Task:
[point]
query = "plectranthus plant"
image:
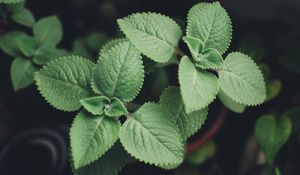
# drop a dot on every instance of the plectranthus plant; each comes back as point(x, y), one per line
point(107, 132)
point(30, 51)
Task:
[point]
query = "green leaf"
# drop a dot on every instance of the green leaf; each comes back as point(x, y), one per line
point(91, 136)
point(195, 9)
point(109, 164)
point(231, 104)
point(28, 45)
point(277, 171)
point(209, 59)
point(24, 17)
point(46, 53)
point(119, 73)
point(155, 35)
point(194, 44)
point(151, 136)
point(48, 29)
point(65, 81)
point(11, 1)
point(211, 24)
point(112, 43)
point(116, 108)
point(198, 87)
point(21, 72)
point(9, 44)
point(188, 124)
point(95, 105)
point(205, 152)
point(273, 88)
point(241, 80)
point(272, 134)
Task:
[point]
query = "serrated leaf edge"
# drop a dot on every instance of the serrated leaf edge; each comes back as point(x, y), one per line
point(121, 40)
point(105, 149)
point(264, 83)
point(150, 13)
point(230, 22)
point(155, 163)
point(44, 66)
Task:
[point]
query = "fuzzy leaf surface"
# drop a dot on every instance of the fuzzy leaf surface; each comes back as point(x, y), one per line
point(241, 80)
point(119, 73)
point(109, 164)
point(95, 105)
point(155, 35)
point(188, 124)
point(195, 9)
point(211, 24)
point(64, 81)
point(151, 136)
point(91, 136)
point(231, 104)
point(198, 87)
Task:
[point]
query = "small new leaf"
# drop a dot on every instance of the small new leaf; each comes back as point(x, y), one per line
point(151, 136)
point(109, 164)
point(272, 134)
point(64, 81)
point(211, 24)
point(48, 29)
point(188, 124)
point(198, 87)
point(119, 73)
point(241, 80)
point(194, 44)
point(155, 35)
point(95, 105)
point(209, 59)
point(116, 108)
point(21, 72)
point(91, 136)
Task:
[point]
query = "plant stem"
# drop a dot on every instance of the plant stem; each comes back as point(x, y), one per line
point(210, 133)
point(179, 52)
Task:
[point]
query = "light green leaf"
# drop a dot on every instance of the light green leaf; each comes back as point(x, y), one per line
point(91, 136)
point(209, 59)
point(198, 87)
point(231, 104)
point(106, 47)
point(211, 24)
point(195, 9)
point(272, 134)
point(28, 45)
point(241, 80)
point(46, 53)
point(11, 1)
point(95, 105)
point(109, 164)
point(65, 81)
point(116, 108)
point(119, 73)
point(188, 124)
point(273, 88)
point(155, 35)
point(48, 29)
point(151, 136)
point(21, 72)
point(24, 17)
point(194, 44)
point(9, 44)
point(201, 155)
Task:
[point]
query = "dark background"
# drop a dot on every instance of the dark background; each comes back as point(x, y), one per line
point(34, 136)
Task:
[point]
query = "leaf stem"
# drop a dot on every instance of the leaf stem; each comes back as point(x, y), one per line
point(210, 133)
point(179, 52)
